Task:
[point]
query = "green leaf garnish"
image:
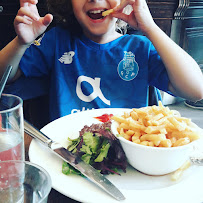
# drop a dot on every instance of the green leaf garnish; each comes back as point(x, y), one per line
point(103, 152)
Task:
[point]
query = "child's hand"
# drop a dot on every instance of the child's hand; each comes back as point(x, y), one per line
point(28, 24)
point(140, 17)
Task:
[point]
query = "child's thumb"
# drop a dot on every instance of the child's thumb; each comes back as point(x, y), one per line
point(47, 19)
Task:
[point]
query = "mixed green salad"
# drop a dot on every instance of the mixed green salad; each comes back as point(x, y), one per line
point(98, 147)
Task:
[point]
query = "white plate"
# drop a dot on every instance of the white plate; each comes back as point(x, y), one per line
point(135, 186)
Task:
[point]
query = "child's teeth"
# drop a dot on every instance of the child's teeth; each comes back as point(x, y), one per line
point(96, 11)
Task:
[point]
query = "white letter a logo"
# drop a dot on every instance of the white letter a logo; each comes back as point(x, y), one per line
point(95, 83)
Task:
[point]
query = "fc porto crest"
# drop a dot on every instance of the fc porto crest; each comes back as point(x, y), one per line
point(128, 67)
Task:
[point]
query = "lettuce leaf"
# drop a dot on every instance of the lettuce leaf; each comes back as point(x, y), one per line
point(103, 151)
point(93, 142)
point(67, 169)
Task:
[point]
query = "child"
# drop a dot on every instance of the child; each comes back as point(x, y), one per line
point(88, 64)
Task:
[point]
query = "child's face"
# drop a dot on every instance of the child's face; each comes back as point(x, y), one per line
point(89, 15)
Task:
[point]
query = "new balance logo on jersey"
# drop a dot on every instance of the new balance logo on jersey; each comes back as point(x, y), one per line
point(67, 57)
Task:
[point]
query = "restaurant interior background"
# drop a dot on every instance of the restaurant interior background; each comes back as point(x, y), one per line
point(182, 20)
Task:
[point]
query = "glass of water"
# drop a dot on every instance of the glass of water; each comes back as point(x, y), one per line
point(11, 128)
point(23, 182)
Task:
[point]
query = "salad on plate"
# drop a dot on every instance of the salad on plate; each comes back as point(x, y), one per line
point(97, 146)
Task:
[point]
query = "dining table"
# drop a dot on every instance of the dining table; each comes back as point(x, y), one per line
point(54, 196)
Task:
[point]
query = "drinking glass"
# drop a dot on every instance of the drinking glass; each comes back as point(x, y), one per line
point(11, 128)
point(23, 182)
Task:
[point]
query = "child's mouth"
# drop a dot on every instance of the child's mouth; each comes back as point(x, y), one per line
point(96, 14)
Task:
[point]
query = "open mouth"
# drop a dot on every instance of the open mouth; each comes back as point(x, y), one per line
point(96, 14)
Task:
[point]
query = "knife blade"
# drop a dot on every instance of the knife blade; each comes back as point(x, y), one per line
point(75, 161)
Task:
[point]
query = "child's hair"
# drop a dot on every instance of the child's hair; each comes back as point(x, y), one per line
point(63, 13)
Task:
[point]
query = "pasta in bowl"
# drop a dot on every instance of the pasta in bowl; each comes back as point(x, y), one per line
point(155, 139)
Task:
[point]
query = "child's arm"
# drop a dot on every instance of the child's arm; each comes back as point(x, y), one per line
point(186, 79)
point(28, 26)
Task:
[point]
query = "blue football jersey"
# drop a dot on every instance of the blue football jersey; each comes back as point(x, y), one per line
point(79, 74)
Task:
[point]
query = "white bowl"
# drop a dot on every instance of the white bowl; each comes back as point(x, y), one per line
point(154, 160)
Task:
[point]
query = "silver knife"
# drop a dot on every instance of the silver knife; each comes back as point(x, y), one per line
point(75, 161)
